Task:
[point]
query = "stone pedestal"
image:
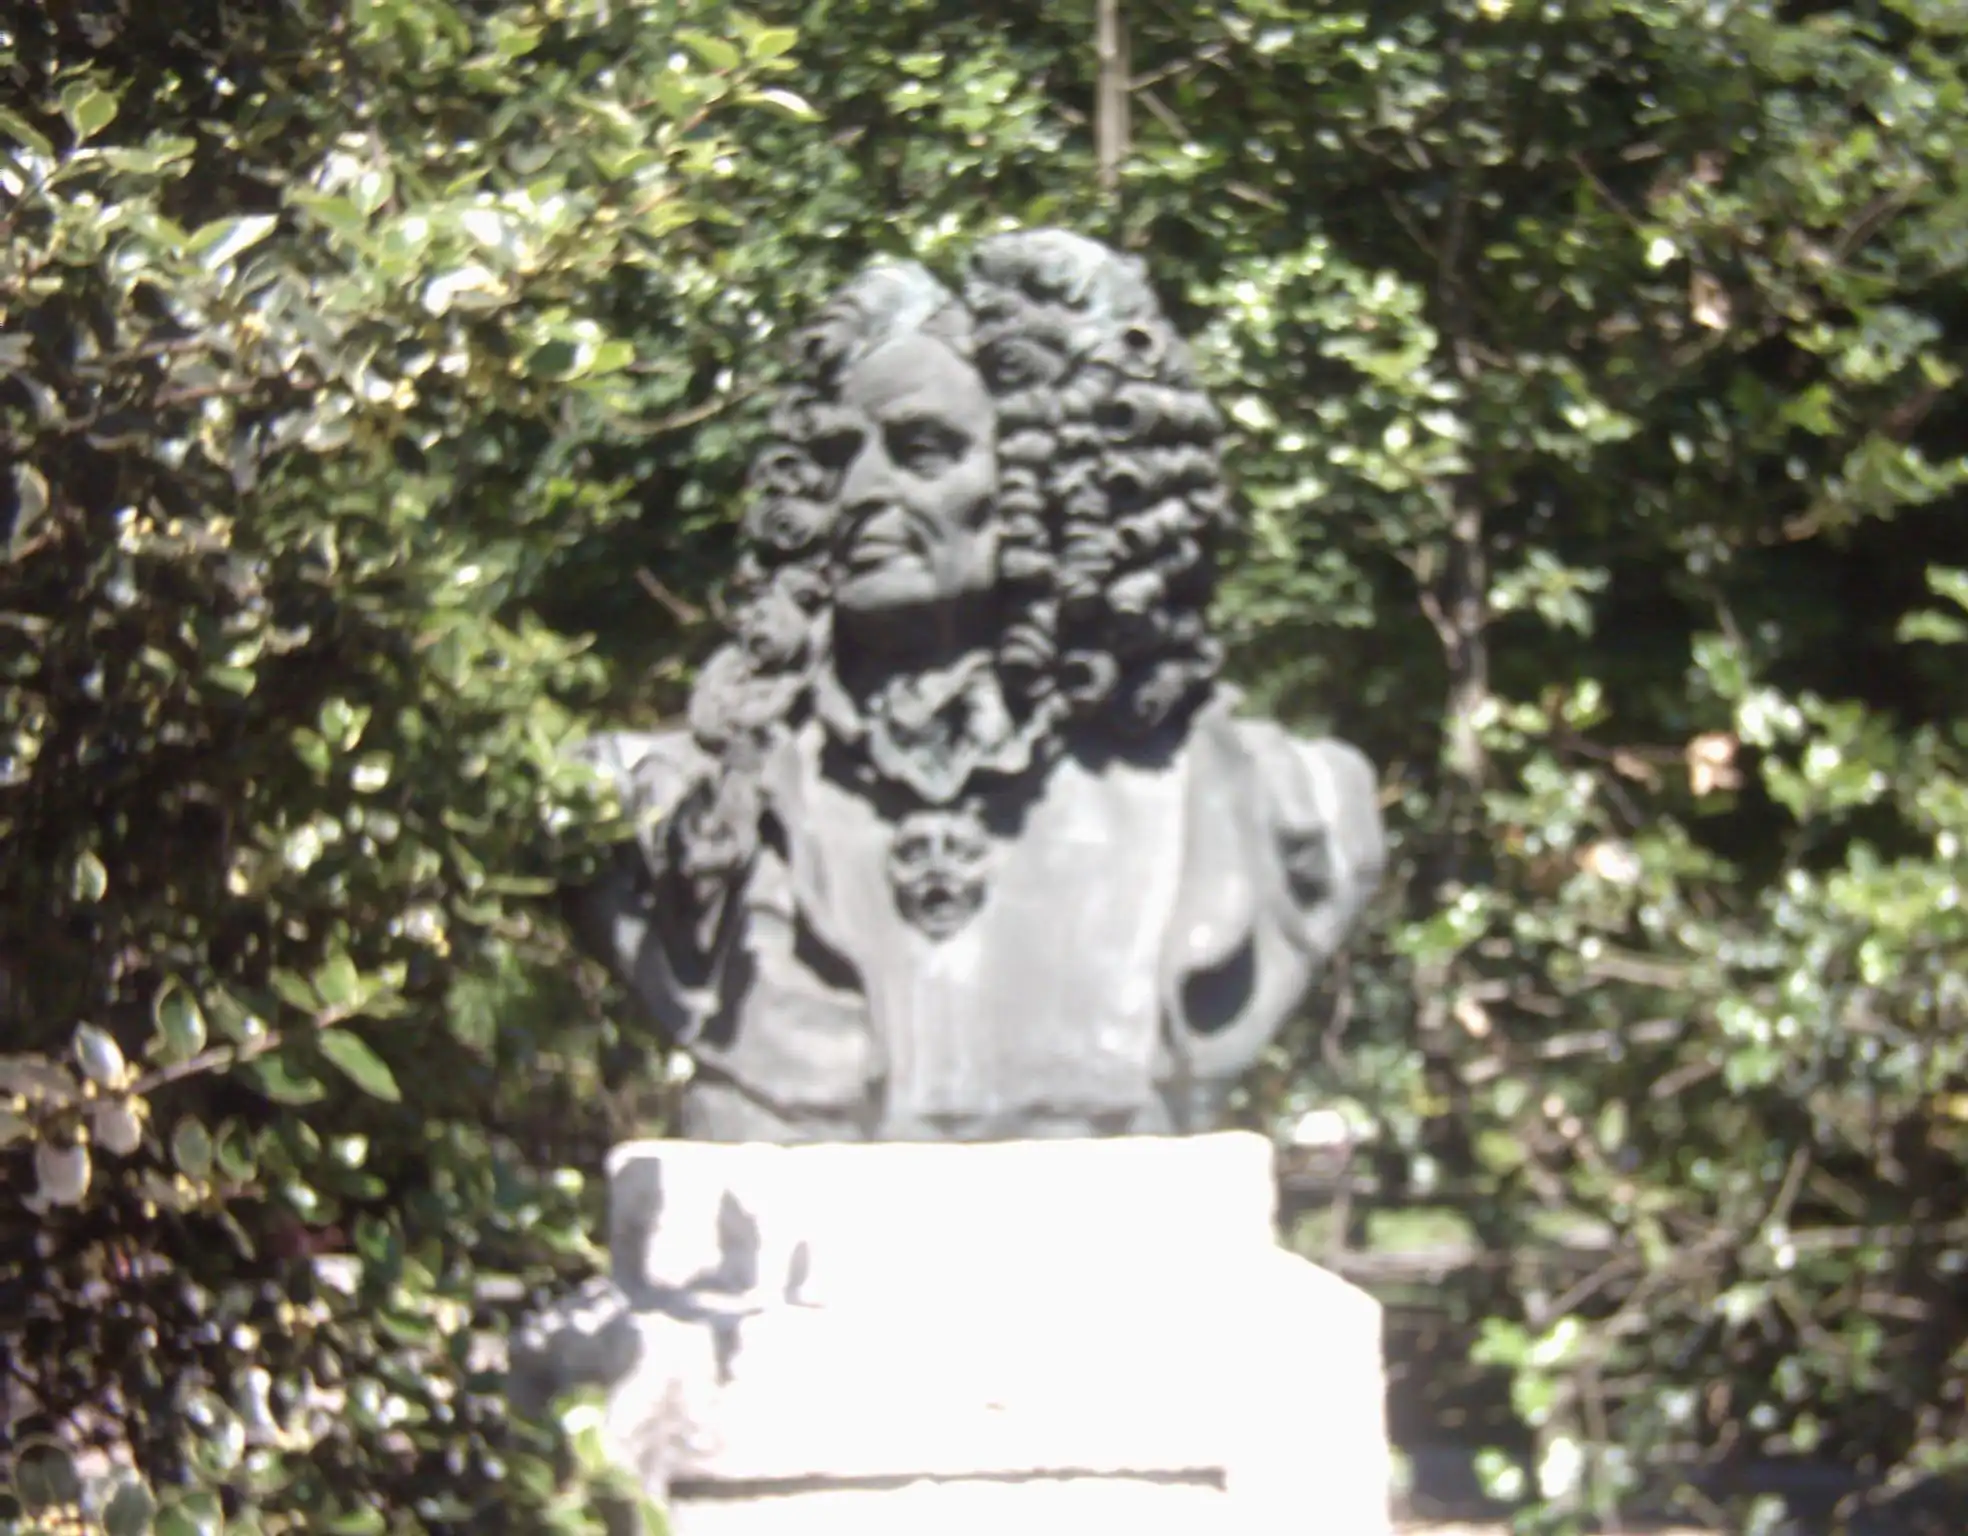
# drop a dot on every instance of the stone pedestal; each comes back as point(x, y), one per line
point(1056, 1335)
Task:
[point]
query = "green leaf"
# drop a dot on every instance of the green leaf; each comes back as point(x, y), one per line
point(37, 1078)
point(371, 773)
point(360, 1064)
point(337, 213)
point(88, 108)
point(1931, 627)
point(338, 983)
point(99, 1056)
point(233, 1148)
point(193, 1514)
point(296, 992)
point(30, 504)
point(313, 751)
point(1950, 584)
point(794, 106)
point(521, 885)
point(612, 356)
point(234, 680)
point(181, 1030)
point(130, 1510)
point(88, 880)
point(115, 1126)
point(45, 1475)
point(225, 240)
point(284, 1083)
point(367, 1521)
point(343, 723)
point(714, 52)
point(62, 1174)
point(770, 43)
point(23, 132)
point(667, 217)
point(217, 1451)
point(555, 359)
point(191, 1148)
point(149, 161)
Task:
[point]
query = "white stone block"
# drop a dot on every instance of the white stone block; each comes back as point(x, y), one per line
point(1066, 1335)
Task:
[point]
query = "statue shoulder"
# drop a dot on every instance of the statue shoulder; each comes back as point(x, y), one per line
point(1319, 789)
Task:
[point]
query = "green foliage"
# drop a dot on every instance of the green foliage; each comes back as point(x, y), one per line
point(312, 312)
point(1595, 373)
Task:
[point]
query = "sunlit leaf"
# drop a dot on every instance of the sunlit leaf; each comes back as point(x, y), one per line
point(714, 52)
point(181, 1031)
point(338, 983)
point(30, 504)
point(225, 240)
point(115, 1126)
point(61, 1173)
point(770, 43)
point(90, 880)
point(99, 1056)
point(88, 108)
point(17, 128)
point(788, 102)
point(361, 1065)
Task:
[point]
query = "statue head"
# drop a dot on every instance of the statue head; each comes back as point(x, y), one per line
point(915, 517)
point(1023, 470)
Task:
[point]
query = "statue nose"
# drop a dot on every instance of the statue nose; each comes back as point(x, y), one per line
point(870, 482)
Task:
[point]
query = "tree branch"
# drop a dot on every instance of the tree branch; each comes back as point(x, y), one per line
point(1111, 95)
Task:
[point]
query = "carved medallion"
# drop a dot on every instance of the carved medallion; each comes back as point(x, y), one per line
point(937, 865)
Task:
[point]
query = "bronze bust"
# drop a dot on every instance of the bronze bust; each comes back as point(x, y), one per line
point(963, 839)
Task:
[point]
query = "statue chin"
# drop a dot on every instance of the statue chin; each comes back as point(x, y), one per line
point(919, 592)
point(907, 617)
point(941, 908)
point(896, 587)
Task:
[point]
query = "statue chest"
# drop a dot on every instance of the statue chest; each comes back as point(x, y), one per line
point(1004, 977)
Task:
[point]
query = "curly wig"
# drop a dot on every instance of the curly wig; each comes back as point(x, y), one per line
point(1111, 496)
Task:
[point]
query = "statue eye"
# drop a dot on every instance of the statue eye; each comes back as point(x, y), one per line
point(835, 447)
point(925, 449)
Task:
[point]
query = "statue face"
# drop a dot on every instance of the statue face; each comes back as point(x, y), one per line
point(936, 866)
point(915, 527)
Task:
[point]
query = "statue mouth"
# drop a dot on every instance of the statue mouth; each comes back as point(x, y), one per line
point(881, 538)
point(941, 907)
